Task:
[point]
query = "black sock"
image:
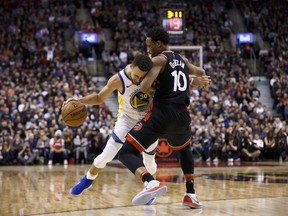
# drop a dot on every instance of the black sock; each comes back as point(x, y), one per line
point(147, 177)
point(190, 186)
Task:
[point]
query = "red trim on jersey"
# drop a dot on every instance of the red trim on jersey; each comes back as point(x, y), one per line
point(176, 148)
point(163, 56)
point(131, 140)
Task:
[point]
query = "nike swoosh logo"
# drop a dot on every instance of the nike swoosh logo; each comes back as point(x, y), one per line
point(195, 200)
point(127, 86)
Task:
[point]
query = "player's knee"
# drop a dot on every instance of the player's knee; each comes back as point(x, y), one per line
point(100, 162)
point(105, 157)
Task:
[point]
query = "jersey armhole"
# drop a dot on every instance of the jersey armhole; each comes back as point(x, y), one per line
point(164, 56)
point(122, 82)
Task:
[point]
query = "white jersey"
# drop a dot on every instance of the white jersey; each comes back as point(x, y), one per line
point(132, 103)
point(133, 106)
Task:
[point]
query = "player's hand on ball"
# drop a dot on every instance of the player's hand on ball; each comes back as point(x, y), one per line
point(67, 101)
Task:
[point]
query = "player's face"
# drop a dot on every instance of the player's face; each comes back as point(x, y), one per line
point(137, 75)
point(151, 47)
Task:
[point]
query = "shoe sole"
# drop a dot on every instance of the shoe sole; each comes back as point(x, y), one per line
point(70, 191)
point(193, 206)
point(144, 198)
point(150, 202)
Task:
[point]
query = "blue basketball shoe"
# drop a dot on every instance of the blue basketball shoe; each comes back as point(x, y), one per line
point(82, 185)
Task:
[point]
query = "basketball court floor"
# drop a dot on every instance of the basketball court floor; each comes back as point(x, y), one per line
point(242, 188)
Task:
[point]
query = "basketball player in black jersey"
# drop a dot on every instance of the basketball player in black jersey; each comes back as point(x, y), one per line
point(168, 118)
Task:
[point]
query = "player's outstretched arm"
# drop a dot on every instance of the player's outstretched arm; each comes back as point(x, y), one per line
point(194, 70)
point(114, 83)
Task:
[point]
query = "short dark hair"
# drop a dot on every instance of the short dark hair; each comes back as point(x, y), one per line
point(158, 34)
point(143, 62)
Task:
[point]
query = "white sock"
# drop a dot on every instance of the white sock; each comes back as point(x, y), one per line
point(90, 176)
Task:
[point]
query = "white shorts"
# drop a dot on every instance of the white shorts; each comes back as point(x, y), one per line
point(123, 125)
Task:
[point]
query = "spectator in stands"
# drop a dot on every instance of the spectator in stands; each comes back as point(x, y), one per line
point(96, 143)
point(231, 152)
point(270, 145)
point(57, 147)
point(33, 140)
point(69, 145)
point(43, 147)
point(81, 146)
point(26, 155)
point(197, 149)
point(7, 151)
point(249, 150)
point(17, 145)
point(207, 145)
point(282, 145)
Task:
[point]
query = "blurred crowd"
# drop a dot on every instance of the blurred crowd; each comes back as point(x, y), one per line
point(38, 74)
point(268, 19)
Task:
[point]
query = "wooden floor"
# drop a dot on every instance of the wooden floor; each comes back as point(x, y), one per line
point(225, 189)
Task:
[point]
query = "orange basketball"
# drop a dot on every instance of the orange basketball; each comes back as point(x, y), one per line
point(74, 113)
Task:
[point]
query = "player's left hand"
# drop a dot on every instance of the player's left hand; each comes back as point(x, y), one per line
point(201, 81)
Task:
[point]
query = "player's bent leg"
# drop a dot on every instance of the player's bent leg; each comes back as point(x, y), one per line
point(99, 163)
point(152, 188)
point(149, 158)
point(108, 154)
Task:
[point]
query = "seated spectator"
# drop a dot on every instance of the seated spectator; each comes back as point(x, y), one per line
point(26, 156)
point(282, 144)
point(43, 147)
point(80, 145)
point(96, 143)
point(270, 145)
point(32, 140)
point(57, 147)
point(6, 148)
point(196, 148)
point(207, 145)
point(249, 149)
point(69, 145)
point(231, 152)
point(17, 145)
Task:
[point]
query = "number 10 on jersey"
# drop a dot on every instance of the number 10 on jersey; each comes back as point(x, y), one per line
point(178, 77)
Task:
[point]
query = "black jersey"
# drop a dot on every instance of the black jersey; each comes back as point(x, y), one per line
point(173, 83)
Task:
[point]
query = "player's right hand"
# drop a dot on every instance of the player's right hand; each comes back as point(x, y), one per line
point(201, 81)
point(67, 101)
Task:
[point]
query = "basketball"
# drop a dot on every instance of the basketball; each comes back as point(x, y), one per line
point(74, 113)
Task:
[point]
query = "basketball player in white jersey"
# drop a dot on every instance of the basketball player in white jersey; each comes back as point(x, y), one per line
point(133, 106)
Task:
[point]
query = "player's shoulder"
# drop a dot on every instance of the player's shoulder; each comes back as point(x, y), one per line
point(115, 78)
point(160, 59)
point(114, 81)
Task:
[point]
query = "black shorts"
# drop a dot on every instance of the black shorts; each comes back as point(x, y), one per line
point(163, 120)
